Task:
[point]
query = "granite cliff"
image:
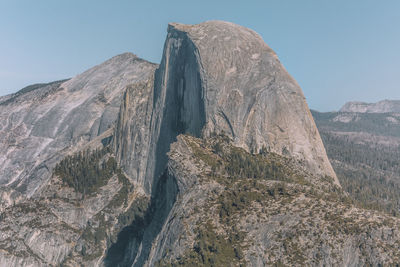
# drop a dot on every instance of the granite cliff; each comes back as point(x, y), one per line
point(241, 89)
point(211, 158)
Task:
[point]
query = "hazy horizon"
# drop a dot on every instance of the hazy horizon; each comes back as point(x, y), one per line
point(337, 52)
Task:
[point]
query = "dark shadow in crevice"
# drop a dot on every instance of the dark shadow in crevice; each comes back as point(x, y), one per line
point(134, 241)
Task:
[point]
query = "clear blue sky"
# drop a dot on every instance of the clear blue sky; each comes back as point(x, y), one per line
point(338, 50)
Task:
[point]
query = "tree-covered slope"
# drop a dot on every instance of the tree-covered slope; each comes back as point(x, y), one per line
point(364, 149)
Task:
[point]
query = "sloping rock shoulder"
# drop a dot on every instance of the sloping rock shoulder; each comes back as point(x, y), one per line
point(39, 126)
point(220, 77)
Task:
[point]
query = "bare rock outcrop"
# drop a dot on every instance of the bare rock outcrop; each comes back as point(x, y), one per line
point(221, 77)
point(40, 124)
point(132, 135)
point(215, 77)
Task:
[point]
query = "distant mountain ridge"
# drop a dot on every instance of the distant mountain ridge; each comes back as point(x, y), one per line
point(384, 106)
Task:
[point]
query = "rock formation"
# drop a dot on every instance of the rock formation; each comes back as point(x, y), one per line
point(220, 77)
point(244, 91)
point(213, 151)
point(41, 124)
point(44, 222)
point(384, 106)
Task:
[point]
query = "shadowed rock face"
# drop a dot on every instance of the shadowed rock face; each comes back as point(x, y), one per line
point(178, 101)
point(40, 125)
point(220, 77)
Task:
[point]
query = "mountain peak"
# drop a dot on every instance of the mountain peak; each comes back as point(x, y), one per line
point(229, 80)
point(219, 32)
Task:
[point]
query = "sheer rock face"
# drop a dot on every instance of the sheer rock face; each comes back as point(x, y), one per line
point(40, 124)
point(384, 106)
point(131, 139)
point(221, 77)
